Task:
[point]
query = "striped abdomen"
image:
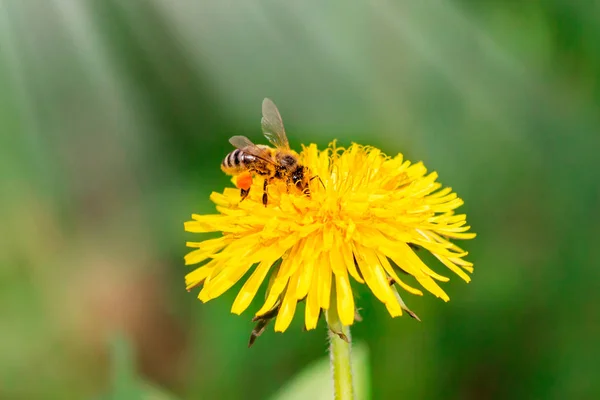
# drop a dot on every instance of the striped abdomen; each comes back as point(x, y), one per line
point(237, 161)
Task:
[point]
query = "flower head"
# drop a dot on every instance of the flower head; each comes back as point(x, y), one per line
point(361, 222)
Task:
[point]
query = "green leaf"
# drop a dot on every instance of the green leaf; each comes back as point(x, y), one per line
point(124, 379)
point(126, 384)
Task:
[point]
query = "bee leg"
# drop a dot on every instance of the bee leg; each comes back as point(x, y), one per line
point(306, 190)
point(262, 322)
point(244, 193)
point(320, 180)
point(265, 197)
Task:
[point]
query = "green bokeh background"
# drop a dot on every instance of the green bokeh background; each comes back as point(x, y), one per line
point(115, 115)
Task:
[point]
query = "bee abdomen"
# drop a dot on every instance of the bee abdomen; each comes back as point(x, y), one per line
point(237, 161)
point(231, 160)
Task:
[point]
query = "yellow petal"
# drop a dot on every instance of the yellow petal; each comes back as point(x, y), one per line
point(248, 291)
point(312, 310)
point(288, 306)
point(405, 257)
point(324, 280)
point(345, 299)
point(390, 271)
point(196, 277)
point(305, 278)
point(454, 268)
point(336, 258)
point(374, 275)
point(205, 249)
point(224, 281)
point(288, 267)
point(346, 251)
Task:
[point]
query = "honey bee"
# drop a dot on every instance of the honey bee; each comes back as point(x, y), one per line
point(279, 163)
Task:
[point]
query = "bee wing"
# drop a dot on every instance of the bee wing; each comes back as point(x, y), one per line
point(272, 125)
point(242, 142)
point(245, 144)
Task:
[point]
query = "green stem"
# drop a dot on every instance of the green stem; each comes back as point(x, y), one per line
point(339, 350)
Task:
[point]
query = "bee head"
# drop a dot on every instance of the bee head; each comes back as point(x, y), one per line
point(298, 177)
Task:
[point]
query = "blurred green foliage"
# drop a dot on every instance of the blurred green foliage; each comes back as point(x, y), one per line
point(115, 117)
point(125, 383)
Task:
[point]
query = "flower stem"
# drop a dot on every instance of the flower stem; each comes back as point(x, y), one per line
point(339, 349)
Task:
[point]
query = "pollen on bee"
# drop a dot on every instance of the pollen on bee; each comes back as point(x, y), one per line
point(244, 181)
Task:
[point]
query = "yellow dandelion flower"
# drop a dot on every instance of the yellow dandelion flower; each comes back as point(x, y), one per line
point(361, 222)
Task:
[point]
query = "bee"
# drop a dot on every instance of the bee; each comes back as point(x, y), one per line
point(278, 163)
